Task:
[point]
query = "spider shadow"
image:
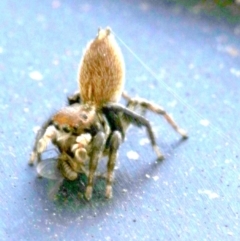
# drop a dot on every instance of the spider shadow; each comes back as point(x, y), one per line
point(169, 149)
point(71, 193)
point(69, 202)
point(138, 180)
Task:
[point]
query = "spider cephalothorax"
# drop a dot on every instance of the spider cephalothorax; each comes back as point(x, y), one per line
point(94, 124)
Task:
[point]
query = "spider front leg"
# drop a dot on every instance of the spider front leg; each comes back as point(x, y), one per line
point(44, 136)
point(98, 143)
point(114, 143)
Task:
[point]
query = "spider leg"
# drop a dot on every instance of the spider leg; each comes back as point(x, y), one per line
point(40, 134)
point(74, 99)
point(98, 144)
point(114, 143)
point(147, 105)
point(130, 117)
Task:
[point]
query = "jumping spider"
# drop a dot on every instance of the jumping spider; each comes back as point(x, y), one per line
point(94, 124)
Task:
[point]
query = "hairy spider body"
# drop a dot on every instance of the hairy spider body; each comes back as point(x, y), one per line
point(102, 70)
point(94, 124)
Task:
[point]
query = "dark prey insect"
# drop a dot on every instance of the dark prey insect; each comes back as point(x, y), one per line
point(94, 124)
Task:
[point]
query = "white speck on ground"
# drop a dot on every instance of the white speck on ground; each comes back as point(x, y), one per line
point(235, 72)
point(209, 193)
point(172, 103)
point(132, 155)
point(204, 122)
point(227, 161)
point(144, 141)
point(26, 110)
point(36, 129)
point(36, 75)
point(155, 178)
point(179, 85)
point(147, 176)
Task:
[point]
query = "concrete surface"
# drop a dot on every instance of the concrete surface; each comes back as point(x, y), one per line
point(190, 65)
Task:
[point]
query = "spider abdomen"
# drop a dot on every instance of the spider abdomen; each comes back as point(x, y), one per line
point(102, 70)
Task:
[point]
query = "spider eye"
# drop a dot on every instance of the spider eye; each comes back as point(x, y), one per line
point(66, 129)
point(84, 116)
point(74, 129)
point(56, 126)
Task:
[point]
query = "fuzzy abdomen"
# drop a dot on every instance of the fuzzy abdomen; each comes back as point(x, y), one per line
point(102, 70)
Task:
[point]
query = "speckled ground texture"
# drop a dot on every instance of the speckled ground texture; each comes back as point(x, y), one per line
point(192, 69)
